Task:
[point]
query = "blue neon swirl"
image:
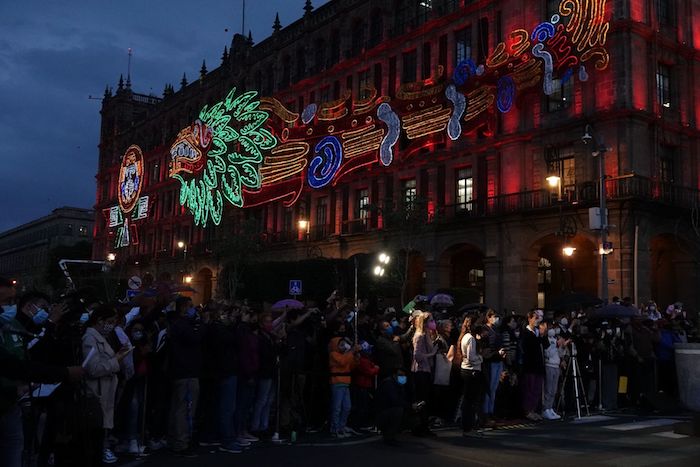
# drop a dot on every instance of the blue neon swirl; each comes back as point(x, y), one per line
point(543, 31)
point(324, 166)
point(463, 71)
point(505, 93)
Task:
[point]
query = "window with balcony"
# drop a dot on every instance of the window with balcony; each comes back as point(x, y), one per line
point(664, 12)
point(463, 44)
point(363, 204)
point(425, 7)
point(425, 61)
point(409, 67)
point(663, 85)
point(322, 213)
point(358, 37)
point(410, 192)
point(666, 165)
point(376, 28)
point(562, 96)
point(364, 84)
point(465, 189)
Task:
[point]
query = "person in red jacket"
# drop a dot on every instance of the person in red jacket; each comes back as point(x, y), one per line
point(363, 381)
point(342, 359)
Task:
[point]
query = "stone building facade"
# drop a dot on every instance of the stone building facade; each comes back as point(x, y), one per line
point(493, 223)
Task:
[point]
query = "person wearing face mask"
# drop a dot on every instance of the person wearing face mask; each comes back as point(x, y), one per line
point(533, 345)
point(387, 351)
point(422, 365)
point(102, 367)
point(552, 360)
point(391, 403)
point(185, 335)
point(493, 354)
point(342, 360)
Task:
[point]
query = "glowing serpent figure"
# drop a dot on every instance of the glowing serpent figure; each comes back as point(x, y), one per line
point(232, 157)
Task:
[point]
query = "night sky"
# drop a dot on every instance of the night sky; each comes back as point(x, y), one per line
point(54, 54)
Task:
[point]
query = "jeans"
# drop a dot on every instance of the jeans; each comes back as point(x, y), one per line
point(495, 369)
point(11, 438)
point(340, 407)
point(244, 403)
point(134, 409)
point(551, 383)
point(183, 406)
point(227, 410)
point(263, 402)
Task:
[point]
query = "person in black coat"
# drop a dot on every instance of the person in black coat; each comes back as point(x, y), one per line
point(391, 403)
point(534, 341)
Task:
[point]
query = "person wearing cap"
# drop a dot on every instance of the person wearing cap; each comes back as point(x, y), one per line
point(363, 379)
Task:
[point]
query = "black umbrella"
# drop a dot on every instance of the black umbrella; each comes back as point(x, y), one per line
point(574, 300)
point(614, 310)
point(474, 307)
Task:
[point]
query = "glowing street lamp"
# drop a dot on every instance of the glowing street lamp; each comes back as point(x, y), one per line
point(303, 225)
point(111, 257)
point(384, 258)
point(568, 250)
point(553, 181)
point(181, 244)
point(187, 279)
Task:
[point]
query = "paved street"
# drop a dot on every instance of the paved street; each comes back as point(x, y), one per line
point(613, 440)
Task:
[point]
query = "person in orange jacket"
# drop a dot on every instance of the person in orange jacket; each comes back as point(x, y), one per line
point(341, 361)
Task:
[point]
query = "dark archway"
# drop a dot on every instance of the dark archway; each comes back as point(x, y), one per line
point(203, 284)
point(559, 274)
point(465, 264)
point(674, 271)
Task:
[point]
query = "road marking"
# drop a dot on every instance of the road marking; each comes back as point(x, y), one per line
point(670, 434)
point(642, 425)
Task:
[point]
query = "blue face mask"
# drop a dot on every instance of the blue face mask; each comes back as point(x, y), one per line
point(84, 318)
point(389, 331)
point(9, 313)
point(40, 317)
point(394, 323)
point(401, 379)
point(191, 313)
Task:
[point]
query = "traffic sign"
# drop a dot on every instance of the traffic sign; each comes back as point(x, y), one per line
point(135, 282)
point(295, 287)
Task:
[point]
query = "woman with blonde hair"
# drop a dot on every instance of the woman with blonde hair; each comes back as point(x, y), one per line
point(422, 364)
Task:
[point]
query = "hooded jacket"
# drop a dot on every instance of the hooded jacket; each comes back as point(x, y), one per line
point(340, 364)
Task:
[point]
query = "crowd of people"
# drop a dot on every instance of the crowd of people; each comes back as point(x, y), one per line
point(130, 379)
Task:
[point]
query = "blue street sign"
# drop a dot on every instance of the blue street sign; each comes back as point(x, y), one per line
point(295, 287)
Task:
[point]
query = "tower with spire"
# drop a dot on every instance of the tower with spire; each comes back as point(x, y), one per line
point(308, 8)
point(276, 26)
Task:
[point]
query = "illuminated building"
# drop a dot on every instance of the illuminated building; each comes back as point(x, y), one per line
point(361, 107)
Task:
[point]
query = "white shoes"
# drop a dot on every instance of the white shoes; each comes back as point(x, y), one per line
point(108, 457)
point(550, 414)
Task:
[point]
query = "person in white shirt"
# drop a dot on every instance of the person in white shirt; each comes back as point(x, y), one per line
point(471, 375)
point(552, 361)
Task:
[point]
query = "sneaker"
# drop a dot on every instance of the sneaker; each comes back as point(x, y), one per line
point(554, 415)
point(231, 449)
point(532, 416)
point(251, 438)
point(339, 435)
point(108, 457)
point(157, 444)
point(242, 442)
point(350, 432)
point(538, 416)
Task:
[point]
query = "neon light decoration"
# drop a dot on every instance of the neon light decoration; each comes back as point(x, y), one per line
point(226, 143)
point(247, 152)
point(130, 178)
point(132, 207)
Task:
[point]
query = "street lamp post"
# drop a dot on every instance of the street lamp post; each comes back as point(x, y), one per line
point(598, 150)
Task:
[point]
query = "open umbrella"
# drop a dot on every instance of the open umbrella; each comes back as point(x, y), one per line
point(288, 303)
point(614, 310)
point(442, 299)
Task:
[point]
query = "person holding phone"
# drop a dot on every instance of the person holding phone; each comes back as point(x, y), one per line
point(102, 367)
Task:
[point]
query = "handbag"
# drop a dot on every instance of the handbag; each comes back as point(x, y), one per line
point(443, 368)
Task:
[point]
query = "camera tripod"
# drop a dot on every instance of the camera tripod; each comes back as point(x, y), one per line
point(573, 370)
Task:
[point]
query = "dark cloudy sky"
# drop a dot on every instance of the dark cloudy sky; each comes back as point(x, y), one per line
point(55, 53)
